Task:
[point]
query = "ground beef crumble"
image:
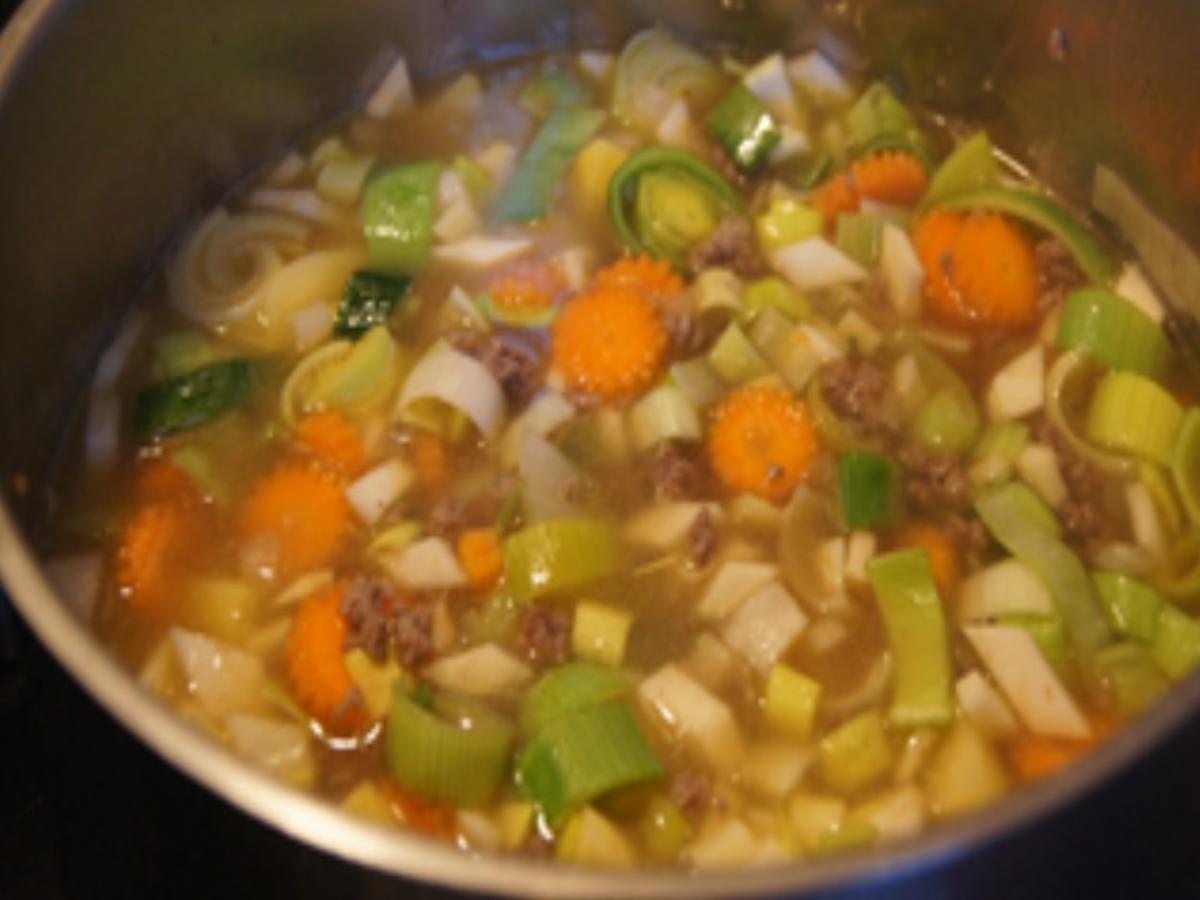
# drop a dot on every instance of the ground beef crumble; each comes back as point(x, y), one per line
point(1081, 514)
point(1058, 273)
point(691, 793)
point(377, 619)
point(517, 359)
point(703, 539)
point(675, 473)
point(935, 480)
point(546, 635)
point(859, 393)
point(730, 246)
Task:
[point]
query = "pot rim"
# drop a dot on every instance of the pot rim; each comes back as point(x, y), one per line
point(322, 826)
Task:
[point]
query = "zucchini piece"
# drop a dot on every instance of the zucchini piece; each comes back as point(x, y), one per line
point(369, 299)
point(192, 399)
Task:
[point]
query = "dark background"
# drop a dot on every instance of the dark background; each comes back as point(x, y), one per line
point(87, 812)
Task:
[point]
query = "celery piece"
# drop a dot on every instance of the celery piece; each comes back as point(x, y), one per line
point(1002, 440)
point(775, 293)
point(179, 352)
point(600, 632)
point(1027, 529)
point(527, 193)
point(1047, 632)
point(791, 701)
point(429, 754)
point(369, 299)
point(965, 773)
point(860, 237)
point(699, 383)
point(398, 208)
point(878, 121)
point(857, 753)
point(192, 399)
point(585, 754)
point(664, 829)
point(1132, 606)
point(786, 221)
point(744, 127)
point(1185, 464)
point(1128, 673)
point(971, 166)
point(868, 487)
point(556, 556)
point(664, 414)
point(496, 620)
point(1176, 647)
point(949, 420)
point(569, 688)
point(1113, 331)
point(916, 628)
point(1131, 413)
point(734, 357)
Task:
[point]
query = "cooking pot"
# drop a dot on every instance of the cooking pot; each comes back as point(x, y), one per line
point(119, 120)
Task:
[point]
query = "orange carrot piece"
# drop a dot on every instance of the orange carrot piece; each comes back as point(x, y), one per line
point(979, 269)
point(149, 545)
point(1034, 757)
point(528, 286)
point(418, 813)
point(303, 510)
point(333, 440)
point(428, 454)
point(481, 557)
point(158, 479)
point(651, 279)
point(889, 177)
point(609, 343)
point(834, 197)
point(941, 550)
point(761, 440)
point(316, 667)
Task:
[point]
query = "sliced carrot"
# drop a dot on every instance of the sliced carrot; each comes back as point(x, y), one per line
point(761, 440)
point(428, 454)
point(653, 279)
point(941, 550)
point(302, 508)
point(149, 545)
point(159, 479)
point(609, 343)
point(333, 441)
point(1034, 757)
point(418, 813)
point(316, 667)
point(979, 268)
point(889, 177)
point(528, 286)
point(481, 558)
point(834, 197)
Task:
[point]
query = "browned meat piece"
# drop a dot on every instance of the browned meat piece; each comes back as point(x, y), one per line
point(702, 539)
point(515, 358)
point(730, 246)
point(1058, 273)
point(367, 607)
point(936, 481)
point(1081, 513)
point(858, 392)
point(691, 792)
point(675, 473)
point(546, 635)
point(969, 534)
point(412, 634)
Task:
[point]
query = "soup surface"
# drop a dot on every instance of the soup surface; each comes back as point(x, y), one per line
point(645, 459)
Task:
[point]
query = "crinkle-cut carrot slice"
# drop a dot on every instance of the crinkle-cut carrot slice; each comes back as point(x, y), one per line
point(761, 440)
point(528, 286)
point(609, 343)
point(333, 441)
point(892, 177)
point(652, 279)
point(302, 508)
point(428, 454)
point(980, 268)
point(834, 197)
point(938, 546)
point(149, 545)
point(316, 666)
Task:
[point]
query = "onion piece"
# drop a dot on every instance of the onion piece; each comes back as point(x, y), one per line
point(311, 325)
point(371, 494)
point(222, 678)
point(425, 565)
point(461, 381)
point(394, 94)
point(903, 273)
point(689, 713)
point(764, 625)
point(815, 263)
point(482, 252)
point(485, 670)
point(281, 748)
point(548, 479)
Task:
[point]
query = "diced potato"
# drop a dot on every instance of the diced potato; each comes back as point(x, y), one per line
point(368, 801)
point(483, 670)
point(281, 748)
point(725, 845)
point(1001, 589)
point(965, 774)
point(600, 632)
point(763, 627)
point(775, 768)
point(592, 171)
point(791, 701)
point(1019, 388)
point(690, 714)
point(985, 706)
point(733, 583)
point(894, 814)
point(813, 817)
point(589, 839)
point(857, 753)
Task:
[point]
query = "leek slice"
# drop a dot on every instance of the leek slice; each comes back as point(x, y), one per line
point(653, 71)
point(397, 214)
point(1067, 379)
point(1185, 463)
point(970, 167)
point(1133, 607)
point(526, 196)
point(1132, 413)
point(557, 556)
point(570, 688)
point(868, 487)
point(744, 127)
point(1113, 331)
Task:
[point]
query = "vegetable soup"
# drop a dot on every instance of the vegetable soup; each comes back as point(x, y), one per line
point(646, 458)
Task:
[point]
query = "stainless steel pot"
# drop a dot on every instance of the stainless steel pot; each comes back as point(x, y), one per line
point(117, 120)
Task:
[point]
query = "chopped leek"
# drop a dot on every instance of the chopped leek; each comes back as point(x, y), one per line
point(653, 70)
point(916, 628)
point(664, 414)
point(1023, 525)
point(868, 487)
point(965, 774)
point(1113, 331)
point(664, 829)
point(699, 383)
point(744, 127)
point(775, 293)
point(600, 633)
point(1185, 463)
point(180, 352)
point(192, 399)
point(1042, 212)
point(786, 221)
point(856, 753)
point(1132, 606)
point(679, 207)
point(734, 357)
point(556, 556)
point(1066, 382)
point(369, 299)
point(970, 167)
point(1127, 671)
point(527, 193)
point(1131, 413)
point(552, 88)
point(585, 754)
point(569, 688)
point(791, 701)
point(878, 121)
point(786, 347)
point(397, 213)
point(455, 753)
point(1176, 647)
point(949, 420)
point(860, 237)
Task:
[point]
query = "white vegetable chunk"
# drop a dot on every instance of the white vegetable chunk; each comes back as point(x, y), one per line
point(793, 143)
point(222, 678)
point(815, 263)
point(711, 662)
point(985, 706)
point(1038, 465)
point(860, 550)
point(690, 714)
point(768, 81)
point(597, 65)
point(1145, 521)
point(903, 274)
point(675, 130)
point(424, 565)
point(1005, 587)
point(733, 583)
point(485, 670)
point(465, 383)
point(371, 495)
point(394, 94)
point(820, 79)
point(898, 813)
point(1133, 286)
point(480, 252)
point(312, 324)
point(764, 625)
point(281, 748)
point(776, 768)
point(1041, 702)
point(547, 478)
point(1019, 388)
point(723, 846)
point(666, 525)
